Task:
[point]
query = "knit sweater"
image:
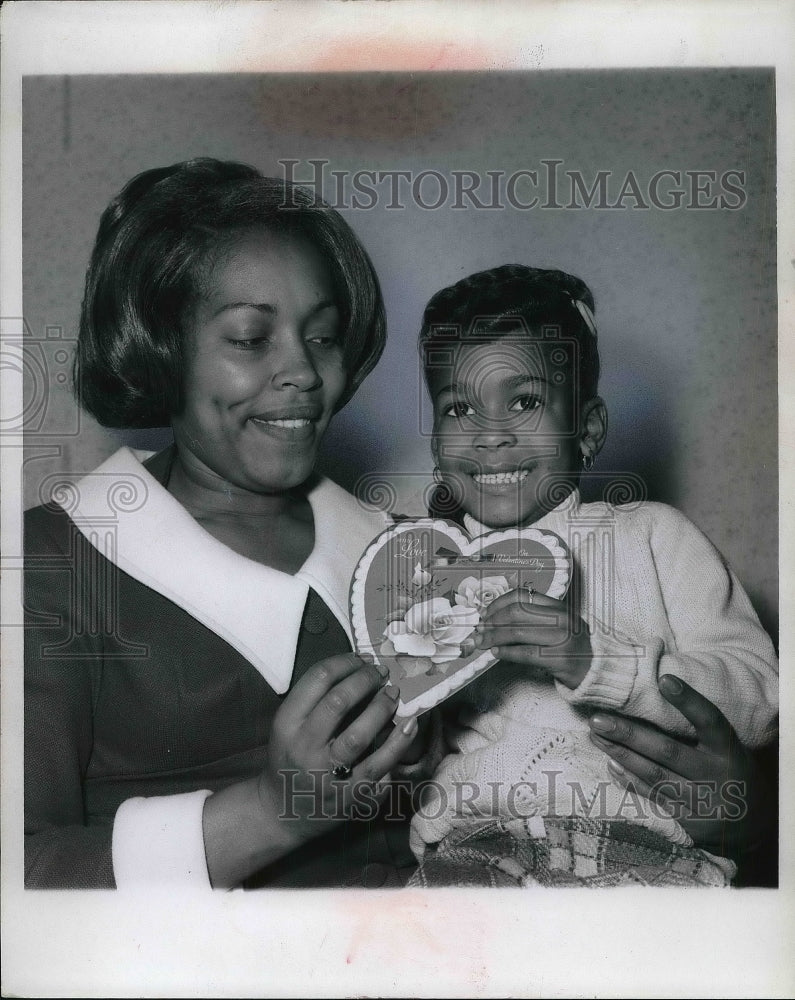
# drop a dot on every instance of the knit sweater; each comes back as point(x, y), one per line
point(657, 598)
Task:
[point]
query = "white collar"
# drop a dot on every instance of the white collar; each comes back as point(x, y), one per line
point(569, 505)
point(135, 523)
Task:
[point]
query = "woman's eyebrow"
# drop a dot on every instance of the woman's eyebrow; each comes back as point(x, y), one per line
point(263, 307)
point(270, 309)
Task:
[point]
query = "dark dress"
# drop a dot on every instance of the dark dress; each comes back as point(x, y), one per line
point(127, 694)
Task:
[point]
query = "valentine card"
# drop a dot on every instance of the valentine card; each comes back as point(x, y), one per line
point(421, 589)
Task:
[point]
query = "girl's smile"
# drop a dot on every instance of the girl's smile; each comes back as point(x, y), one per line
point(501, 479)
point(505, 430)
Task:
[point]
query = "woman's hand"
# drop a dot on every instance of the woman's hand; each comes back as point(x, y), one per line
point(329, 720)
point(533, 629)
point(316, 729)
point(713, 786)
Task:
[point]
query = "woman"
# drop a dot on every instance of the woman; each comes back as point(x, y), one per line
point(193, 712)
point(172, 672)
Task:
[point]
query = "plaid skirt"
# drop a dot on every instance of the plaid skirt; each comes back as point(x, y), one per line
point(566, 852)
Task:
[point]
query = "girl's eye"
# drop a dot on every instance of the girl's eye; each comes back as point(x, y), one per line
point(458, 410)
point(526, 404)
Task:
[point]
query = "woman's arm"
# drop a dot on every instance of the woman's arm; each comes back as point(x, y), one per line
point(297, 798)
point(721, 792)
point(62, 676)
point(237, 830)
point(161, 839)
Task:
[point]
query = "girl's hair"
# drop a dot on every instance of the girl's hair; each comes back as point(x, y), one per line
point(491, 304)
point(485, 306)
point(153, 256)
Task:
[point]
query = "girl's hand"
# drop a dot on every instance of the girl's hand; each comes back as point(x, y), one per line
point(533, 629)
point(713, 786)
point(329, 720)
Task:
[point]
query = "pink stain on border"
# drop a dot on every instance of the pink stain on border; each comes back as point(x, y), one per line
point(379, 53)
point(396, 925)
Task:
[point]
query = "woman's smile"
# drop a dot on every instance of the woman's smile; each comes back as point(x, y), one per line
point(289, 425)
point(266, 367)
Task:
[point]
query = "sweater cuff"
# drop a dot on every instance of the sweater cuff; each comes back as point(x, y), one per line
point(160, 841)
point(614, 668)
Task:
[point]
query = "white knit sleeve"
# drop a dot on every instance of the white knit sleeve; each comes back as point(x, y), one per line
point(697, 623)
point(616, 664)
point(159, 841)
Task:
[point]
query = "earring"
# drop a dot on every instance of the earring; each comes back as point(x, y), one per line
point(437, 475)
point(588, 461)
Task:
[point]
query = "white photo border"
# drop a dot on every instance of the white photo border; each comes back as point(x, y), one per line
point(443, 942)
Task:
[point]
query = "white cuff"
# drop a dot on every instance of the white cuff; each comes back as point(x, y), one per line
point(160, 841)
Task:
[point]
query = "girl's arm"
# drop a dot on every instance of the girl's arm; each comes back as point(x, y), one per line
point(681, 612)
point(695, 622)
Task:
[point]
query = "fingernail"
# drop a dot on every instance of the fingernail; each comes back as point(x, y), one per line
point(672, 684)
point(614, 766)
point(600, 741)
point(382, 669)
point(392, 691)
point(367, 658)
point(495, 651)
point(603, 723)
point(409, 727)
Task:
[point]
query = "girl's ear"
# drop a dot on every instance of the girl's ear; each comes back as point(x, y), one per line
point(593, 427)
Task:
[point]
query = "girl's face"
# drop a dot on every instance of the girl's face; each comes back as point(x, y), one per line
point(505, 429)
point(264, 365)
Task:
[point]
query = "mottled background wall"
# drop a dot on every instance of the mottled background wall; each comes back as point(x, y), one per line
point(686, 298)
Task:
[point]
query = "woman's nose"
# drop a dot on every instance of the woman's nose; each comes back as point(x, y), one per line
point(295, 368)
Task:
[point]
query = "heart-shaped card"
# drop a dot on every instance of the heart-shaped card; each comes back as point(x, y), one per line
point(421, 589)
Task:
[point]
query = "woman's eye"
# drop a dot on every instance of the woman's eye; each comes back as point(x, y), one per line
point(525, 404)
point(324, 340)
point(248, 343)
point(458, 410)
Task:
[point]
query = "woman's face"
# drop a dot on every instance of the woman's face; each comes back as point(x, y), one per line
point(264, 365)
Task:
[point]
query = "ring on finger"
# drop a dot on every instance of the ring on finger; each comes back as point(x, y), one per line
point(340, 770)
point(530, 592)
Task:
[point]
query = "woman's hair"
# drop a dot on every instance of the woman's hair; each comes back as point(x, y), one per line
point(153, 255)
point(485, 306)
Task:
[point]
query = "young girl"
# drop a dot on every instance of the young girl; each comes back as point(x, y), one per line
point(512, 365)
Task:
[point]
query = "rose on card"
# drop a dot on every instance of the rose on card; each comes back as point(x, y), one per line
point(422, 587)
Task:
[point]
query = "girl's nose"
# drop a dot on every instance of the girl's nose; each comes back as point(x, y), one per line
point(495, 437)
point(295, 368)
